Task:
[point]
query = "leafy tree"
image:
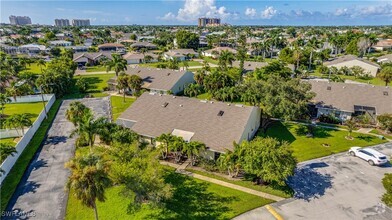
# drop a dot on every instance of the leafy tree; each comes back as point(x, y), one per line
point(173, 64)
point(118, 64)
point(6, 150)
point(41, 63)
point(286, 55)
point(135, 83)
point(351, 124)
point(193, 90)
point(186, 39)
point(387, 183)
point(185, 63)
point(385, 121)
point(82, 85)
point(217, 80)
point(89, 179)
point(267, 159)
point(273, 68)
point(357, 71)
point(89, 128)
point(352, 47)
point(138, 169)
point(230, 162)
point(241, 52)
point(386, 74)
point(322, 69)
point(132, 37)
point(226, 58)
point(55, 51)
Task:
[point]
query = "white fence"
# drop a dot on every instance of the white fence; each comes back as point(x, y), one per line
point(31, 98)
point(8, 163)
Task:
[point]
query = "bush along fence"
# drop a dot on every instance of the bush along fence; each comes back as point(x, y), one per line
point(9, 162)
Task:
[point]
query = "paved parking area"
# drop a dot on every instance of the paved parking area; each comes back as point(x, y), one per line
point(335, 187)
point(41, 194)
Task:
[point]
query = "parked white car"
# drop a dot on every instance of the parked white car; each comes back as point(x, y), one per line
point(372, 156)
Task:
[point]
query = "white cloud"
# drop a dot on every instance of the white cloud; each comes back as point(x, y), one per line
point(251, 12)
point(194, 9)
point(268, 12)
point(168, 17)
point(341, 12)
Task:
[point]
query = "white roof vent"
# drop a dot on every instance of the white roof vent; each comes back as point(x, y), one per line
point(204, 101)
point(174, 97)
point(239, 105)
point(181, 105)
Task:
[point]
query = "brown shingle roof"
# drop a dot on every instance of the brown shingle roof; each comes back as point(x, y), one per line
point(347, 58)
point(110, 45)
point(344, 96)
point(188, 114)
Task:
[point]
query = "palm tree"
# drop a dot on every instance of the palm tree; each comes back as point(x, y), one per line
point(192, 90)
point(3, 100)
point(23, 61)
point(6, 149)
point(297, 57)
point(199, 77)
point(122, 83)
point(165, 141)
point(135, 83)
point(13, 90)
point(89, 128)
point(144, 51)
point(185, 63)
point(23, 120)
point(89, 179)
point(230, 162)
point(192, 149)
point(76, 112)
point(118, 64)
point(177, 145)
point(173, 64)
point(148, 58)
point(351, 124)
point(41, 63)
point(226, 58)
point(386, 74)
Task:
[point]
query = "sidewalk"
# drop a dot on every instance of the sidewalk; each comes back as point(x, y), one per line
point(181, 169)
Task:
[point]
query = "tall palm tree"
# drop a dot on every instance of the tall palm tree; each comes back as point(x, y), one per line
point(122, 84)
point(13, 90)
point(165, 141)
point(23, 120)
point(226, 58)
point(118, 64)
point(386, 75)
point(177, 146)
point(89, 128)
point(76, 112)
point(3, 100)
point(41, 63)
point(192, 149)
point(135, 83)
point(89, 179)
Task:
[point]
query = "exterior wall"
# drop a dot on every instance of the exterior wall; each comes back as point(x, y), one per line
point(181, 84)
point(133, 61)
point(24, 141)
point(367, 67)
point(252, 125)
point(342, 115)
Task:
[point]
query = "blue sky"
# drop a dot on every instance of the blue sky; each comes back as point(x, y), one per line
point(272, 12)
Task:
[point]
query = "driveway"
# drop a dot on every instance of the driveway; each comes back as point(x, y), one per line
point(335, 187)
point(40, 194)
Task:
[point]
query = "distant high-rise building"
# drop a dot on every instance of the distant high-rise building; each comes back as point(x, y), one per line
point(207, 22)
point(80, 22)
point(61, 22)
point(20, 20)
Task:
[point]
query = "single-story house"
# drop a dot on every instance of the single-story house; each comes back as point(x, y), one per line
point(136, 58)
point(60, 43)
point(351, 60)
point(217, 50)
point(8, 49)
point(384, 44)
point(159, 80)
point(216, 124)
point(140, 45)
point(344, 100)
point(180, 54)
point(91, 58)
point(385, 59)
point(112, 47)
point(32, 49)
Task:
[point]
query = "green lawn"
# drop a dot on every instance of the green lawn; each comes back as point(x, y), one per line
point(211, 60)
point(206, 95)
point(374, 81)
point(305, 148)
point(97, 82)
point(285, 192)
point(192, 199)
point(374, 131)
point(12, 180)
point(96, 69)
point(34, 68)
point(32, 108)
point(119, 106)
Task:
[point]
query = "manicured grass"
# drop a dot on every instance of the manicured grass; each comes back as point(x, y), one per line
point(11, 181)
point(96, 69)
point(374, 81)
point(306, 148)
point(192, 199)
point(285, 192)
point(34, 68)
point(97, 82)
point(375, 131)
point(32, 108)
point(8, 141)
point(119, 106)
point(211, 60)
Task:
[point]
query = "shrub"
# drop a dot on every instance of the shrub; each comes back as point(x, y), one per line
point(387, 182)
point(329, 119)
point(208, 165)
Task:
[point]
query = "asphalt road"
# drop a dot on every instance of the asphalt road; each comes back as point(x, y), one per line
point(41, 194)
point(335, 187)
